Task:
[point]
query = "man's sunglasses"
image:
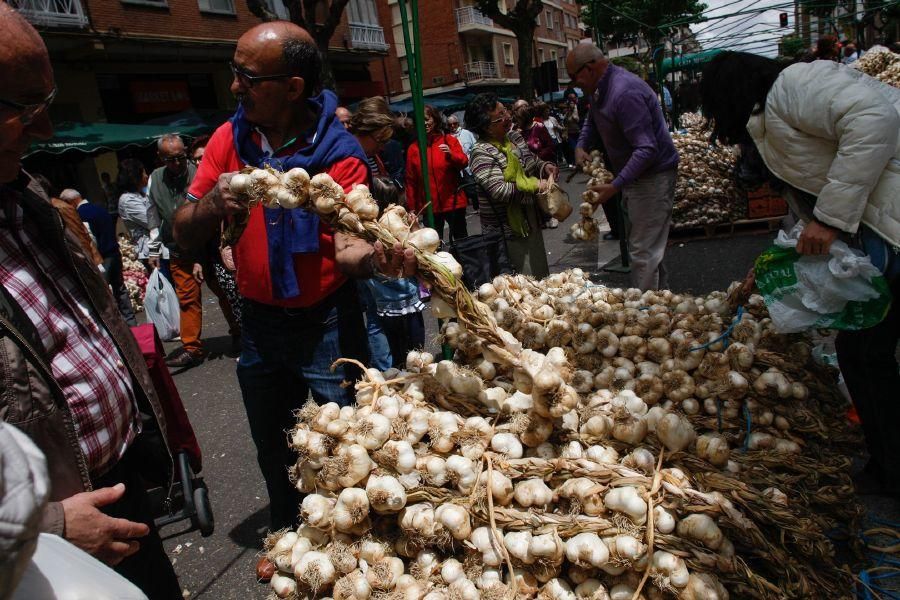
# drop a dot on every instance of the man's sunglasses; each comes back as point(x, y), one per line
point(174, 159)
point(582, 68)
point(29, 112)
point(248, 80)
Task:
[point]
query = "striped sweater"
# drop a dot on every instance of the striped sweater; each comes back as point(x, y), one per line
point(487, 164)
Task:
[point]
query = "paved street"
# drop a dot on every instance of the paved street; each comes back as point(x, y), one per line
point(221, 566)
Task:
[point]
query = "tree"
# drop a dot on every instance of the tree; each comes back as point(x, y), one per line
point(522, 21)
point(319, 17)
point(650, 19)
point(791, 46)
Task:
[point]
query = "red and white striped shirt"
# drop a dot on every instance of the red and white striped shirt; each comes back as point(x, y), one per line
point(83, 357)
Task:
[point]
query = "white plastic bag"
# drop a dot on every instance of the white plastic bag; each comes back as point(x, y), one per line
point(161, 304)
point(61, 571)
point(804, 292)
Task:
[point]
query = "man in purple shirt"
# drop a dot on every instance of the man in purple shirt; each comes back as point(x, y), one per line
point(626, 117)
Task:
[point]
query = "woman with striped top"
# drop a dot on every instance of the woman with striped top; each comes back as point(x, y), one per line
point(508, 177)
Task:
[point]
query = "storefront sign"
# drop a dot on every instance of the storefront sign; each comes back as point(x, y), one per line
point(160, 96)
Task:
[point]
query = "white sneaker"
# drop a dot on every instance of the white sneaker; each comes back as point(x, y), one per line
point(552, 223)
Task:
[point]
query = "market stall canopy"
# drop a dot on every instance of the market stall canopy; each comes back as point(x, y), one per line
point(88, 138)
point(447, 102)
point(687, 62)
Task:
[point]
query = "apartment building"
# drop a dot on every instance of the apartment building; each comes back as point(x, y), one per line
point(464, 51)
point(130, 61)
point(164, 61)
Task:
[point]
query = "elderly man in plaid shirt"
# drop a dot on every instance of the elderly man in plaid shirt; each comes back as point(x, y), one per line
point(71, 374)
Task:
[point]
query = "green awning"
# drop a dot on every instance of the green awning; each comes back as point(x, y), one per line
point(688, 62)
point(88, 138)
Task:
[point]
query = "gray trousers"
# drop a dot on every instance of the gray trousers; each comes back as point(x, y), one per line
point(648, 206)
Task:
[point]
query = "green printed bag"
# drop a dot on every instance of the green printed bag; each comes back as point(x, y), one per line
point(841, 290)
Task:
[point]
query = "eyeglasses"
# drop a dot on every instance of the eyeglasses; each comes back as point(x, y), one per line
point(174, 159)
point(248, 80)
point(504, 116)
point(29, 112)
point(582, 68)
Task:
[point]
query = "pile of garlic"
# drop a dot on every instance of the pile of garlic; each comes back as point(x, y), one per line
point(611, 461)
point(705, 193)
point(415, 502)
point(876, 61)
point(672, 351)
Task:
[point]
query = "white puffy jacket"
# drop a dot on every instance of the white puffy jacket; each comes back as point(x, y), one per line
point(834, 132)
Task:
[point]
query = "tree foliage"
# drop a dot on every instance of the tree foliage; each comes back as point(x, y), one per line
point(319, 17)
point(792, 45)
point(521, 19)
point(620, 20)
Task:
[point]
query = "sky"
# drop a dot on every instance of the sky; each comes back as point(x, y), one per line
point(758, 33)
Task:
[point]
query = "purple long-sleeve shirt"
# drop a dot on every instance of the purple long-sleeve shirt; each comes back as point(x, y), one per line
point(626, 117)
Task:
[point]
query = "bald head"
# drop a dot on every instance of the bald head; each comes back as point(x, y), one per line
point(343, 115)
point(26, 78)
point(278, 67)
point(276, 32)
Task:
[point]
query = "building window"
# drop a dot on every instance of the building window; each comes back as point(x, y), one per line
point(553, 56)
point(507, 54)
point(362, 11)
point(541, 56)
point(225, 7)
point(278, 7)
point(548, 19)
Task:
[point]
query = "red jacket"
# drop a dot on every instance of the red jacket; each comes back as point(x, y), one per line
point(317, 274)
point(443, 175)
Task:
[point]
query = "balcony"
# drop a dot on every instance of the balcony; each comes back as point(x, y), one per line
point(367, 37)
point(481, 70)
point(469, 17)
point(53, 13)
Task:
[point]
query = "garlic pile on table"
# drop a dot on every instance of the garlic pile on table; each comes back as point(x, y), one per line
point(645, 445)
point(705, 193)
point(874, 62)
point(133, 273)
point(891, 75)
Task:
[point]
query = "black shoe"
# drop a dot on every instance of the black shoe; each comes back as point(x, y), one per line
point(610, 236)
point(236, 342)
point(185, 360)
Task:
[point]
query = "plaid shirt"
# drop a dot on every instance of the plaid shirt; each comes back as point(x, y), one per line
point(84, 359)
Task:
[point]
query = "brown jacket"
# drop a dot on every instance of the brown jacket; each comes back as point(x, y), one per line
point(72, 222)
point(30, 398)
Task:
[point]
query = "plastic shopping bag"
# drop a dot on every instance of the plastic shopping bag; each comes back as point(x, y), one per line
point(161, 304)
point(840, 290)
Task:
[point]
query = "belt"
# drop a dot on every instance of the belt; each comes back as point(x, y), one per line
point(329, 301)
point(281, 311)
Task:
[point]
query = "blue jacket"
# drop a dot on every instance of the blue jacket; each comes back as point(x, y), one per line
point(102, 227)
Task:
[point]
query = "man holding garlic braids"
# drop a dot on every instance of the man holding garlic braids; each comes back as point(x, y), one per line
point(626, 116)
point(300, 312)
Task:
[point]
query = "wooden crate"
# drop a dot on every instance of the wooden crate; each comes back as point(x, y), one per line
point(763, 203)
